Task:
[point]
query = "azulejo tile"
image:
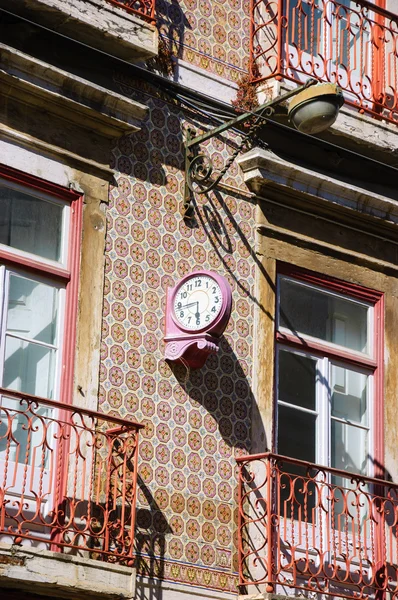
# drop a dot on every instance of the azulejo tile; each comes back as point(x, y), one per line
point(195, 423)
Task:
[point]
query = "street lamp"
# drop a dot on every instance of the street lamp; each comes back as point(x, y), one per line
point(314, 108)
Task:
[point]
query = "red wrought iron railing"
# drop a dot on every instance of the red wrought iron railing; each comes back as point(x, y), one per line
point(350, 42)
point(317, 530)
point(143, 8)
point(68, 478)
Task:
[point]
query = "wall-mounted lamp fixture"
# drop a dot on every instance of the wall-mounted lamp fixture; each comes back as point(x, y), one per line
point(315, 108)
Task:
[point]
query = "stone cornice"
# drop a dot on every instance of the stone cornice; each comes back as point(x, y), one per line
point(99, 23)
point(264, 170)
point(77, 100)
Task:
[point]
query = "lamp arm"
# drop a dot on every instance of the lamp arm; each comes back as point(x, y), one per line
point(199, 167)
point(260, 111)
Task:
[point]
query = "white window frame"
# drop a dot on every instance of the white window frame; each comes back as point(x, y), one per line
point(326, 354)
point(57, 274)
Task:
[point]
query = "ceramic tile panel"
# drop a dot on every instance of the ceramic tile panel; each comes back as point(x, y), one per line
point(212, 35)
point(196, 422)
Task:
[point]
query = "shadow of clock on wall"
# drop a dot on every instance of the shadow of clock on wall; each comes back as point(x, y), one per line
point(223, 389)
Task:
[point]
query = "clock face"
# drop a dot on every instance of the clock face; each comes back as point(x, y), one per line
point(197, 302)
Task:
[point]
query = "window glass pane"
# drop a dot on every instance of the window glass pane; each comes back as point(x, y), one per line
point(349, 448)
point(296, 438)
point(349, 395)
point(296, 433)
point(306, 22)
point(351, 38)
point(32, 309)
point(320, 314)
point(296, 379)
point(30, 224)
point(29, 367)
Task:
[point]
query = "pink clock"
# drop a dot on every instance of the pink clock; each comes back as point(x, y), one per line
point(197, 312)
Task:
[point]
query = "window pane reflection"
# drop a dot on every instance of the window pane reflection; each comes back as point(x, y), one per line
point(32, 309)
point(297, 378)
point(30, 224)
point(322, 315)
point(29, 367)
point(24, 438)
point(349, 395)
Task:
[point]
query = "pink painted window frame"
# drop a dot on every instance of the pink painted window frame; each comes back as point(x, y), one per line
point(375, 364)
point(69, 276)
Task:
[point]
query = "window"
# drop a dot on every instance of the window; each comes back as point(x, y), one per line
point(328, 372)
point(39, 234)
point(39, 257)
point(332, 40)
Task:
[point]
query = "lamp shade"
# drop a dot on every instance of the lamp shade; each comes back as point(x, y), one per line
point(316, 108)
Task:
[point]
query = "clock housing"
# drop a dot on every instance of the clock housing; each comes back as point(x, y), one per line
point(197, 303)
point(197, 312)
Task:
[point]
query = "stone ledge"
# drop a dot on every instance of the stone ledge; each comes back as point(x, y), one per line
point(95, 22)
point(62, 575)
point(263, 168)
point(69, 96)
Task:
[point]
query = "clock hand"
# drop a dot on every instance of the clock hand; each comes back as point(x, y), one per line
point(190, 304)
point(197, 314)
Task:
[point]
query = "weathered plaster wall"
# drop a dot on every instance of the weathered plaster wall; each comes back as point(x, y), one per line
point(195, 423)
point(95, 22)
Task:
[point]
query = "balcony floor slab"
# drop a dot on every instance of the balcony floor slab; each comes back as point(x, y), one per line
point(63, 575)
point(98, 23)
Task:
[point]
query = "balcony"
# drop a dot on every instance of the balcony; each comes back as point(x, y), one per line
point(305, 529)
point(68, 479)
point(121, 28)
point(354, 44)
point(143, 8)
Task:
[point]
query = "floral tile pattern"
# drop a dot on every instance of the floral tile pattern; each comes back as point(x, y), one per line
point(212, 35)
point(196, 422)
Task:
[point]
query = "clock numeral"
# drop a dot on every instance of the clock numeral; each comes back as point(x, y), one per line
point(216, 299)
point(214, 289)
point(207, 284)
point(189, 287)
point(197, 321)
point(213, 309)
point(198, 282)
point(184, 294)
point(179, 304)
point(207, 318)
point(189, 320)
point(182, 314)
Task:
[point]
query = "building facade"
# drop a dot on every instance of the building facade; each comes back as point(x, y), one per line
point(126, 475)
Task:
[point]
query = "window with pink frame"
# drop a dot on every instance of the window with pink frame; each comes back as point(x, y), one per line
point(40, 228)
point(329, 403)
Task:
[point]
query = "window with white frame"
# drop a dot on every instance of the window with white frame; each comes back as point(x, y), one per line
point(332, 40)
point(326, 368)
point(39, 228)
point(32, 225)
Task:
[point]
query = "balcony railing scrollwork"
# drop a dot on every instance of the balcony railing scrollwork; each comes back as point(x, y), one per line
point(317, 530)
point(68, 478)
point(145, 9)
point(353, 43)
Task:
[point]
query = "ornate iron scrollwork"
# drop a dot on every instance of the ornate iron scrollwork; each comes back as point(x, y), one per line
point(199, 166)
